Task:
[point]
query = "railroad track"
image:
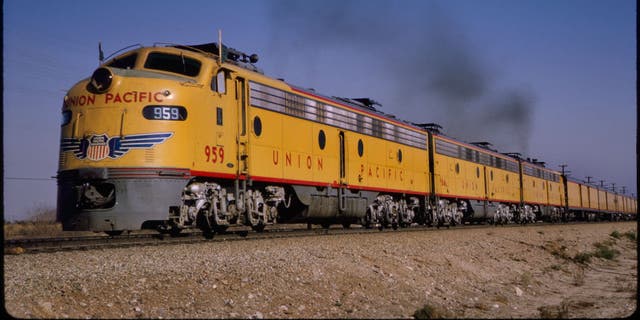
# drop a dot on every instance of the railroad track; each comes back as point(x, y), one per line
point(72, 243)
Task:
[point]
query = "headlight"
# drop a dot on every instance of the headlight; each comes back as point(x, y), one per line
point(66, 118)
point(101, 80)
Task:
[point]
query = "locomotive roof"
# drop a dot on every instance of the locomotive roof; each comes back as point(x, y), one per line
point(358, 104)
point(584, 183)
point(230, 55)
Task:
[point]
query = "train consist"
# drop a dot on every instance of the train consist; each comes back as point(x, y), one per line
point(173, 137)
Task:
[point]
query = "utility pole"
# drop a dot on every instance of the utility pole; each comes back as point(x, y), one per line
point(563, 166)
point(589, 179)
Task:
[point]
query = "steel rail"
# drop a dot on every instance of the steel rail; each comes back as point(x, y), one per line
point(74, 243)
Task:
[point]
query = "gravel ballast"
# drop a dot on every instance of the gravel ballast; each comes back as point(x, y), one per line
point(521, 272)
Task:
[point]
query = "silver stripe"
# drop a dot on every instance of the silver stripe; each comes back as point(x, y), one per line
point(273, 99)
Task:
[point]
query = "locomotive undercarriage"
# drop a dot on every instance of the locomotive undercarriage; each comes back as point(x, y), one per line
point(447, 212)
point(212, 208)
point(511, 213)
point(385, 212)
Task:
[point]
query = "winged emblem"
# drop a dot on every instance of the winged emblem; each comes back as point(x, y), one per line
point(100, 146)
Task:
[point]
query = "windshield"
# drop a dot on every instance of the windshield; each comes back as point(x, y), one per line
point(124, 62)
point(173, 63)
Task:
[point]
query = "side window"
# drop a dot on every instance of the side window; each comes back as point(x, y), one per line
point(218, 83)
point(219, 116)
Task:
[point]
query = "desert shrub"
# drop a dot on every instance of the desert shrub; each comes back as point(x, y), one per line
point(525, 278)
point(583, 257)
point(604, 250)
point(631, 235)
point(615, 234)
point(429, 312)
point(556, 249)
point(42, 213)
point(31, 229)
point(555, 312)
point(40, 222)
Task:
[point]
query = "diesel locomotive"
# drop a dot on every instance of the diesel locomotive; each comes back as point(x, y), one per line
point(171, 137)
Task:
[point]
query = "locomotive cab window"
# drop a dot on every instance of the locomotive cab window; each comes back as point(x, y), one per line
point(125, 62)
point(218, 83)
point(173, 63)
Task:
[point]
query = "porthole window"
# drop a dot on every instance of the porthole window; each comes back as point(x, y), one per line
point(322, 140)
point(457, 168)
point(360, 148)
point(399, 155)
point(257, 126)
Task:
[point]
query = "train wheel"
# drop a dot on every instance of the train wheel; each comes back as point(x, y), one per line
point(258, 227)
point(113, 233)
point(208, 234)
point(325, 225)
point(346, 225)
point(220, 229)
point(175, 231)
point(367, 220)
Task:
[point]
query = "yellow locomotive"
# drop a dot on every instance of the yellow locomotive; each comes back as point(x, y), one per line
point(175, 136)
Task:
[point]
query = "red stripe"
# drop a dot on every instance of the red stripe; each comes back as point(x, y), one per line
point(151, 169)
point(300, 182)
point(474, 198)
point(215, 174)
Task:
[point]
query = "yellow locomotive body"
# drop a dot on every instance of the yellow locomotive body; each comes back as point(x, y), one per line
point(584, 197)
point(575, 196)
point(173, 131)
point(544, 189)
point(124, 137)
point(313, 140)
point(196, 136)
point(487, 180)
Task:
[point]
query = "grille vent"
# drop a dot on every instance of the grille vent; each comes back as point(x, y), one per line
point(149, 156)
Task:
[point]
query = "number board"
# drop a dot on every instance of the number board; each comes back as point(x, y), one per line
point(173, 113)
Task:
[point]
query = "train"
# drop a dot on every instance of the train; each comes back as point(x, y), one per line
point(173, 137)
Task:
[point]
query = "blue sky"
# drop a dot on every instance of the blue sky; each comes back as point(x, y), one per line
point(554, 80)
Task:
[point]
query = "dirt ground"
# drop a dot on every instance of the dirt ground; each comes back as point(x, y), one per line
point(560, 271)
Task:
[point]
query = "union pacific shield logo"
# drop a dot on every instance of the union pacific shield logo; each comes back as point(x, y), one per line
point(100, 146)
